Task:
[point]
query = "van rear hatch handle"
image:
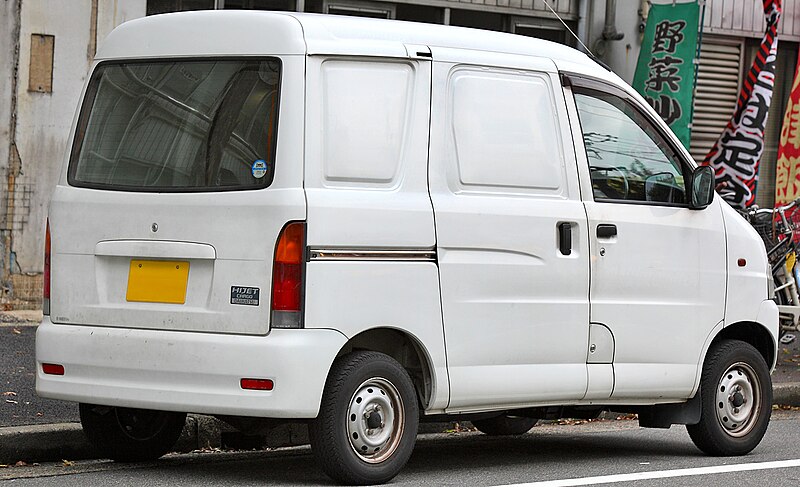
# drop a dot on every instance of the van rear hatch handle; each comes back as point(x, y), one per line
point(155, 249)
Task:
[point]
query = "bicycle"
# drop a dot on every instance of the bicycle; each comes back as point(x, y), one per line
point(777, 232)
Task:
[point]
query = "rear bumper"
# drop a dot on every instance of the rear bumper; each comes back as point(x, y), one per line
point(187, 371)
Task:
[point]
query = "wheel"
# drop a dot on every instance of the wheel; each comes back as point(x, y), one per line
point(783, 296)
point(368, 418)
point(131, 435)
point(504, 425)
point(736, 400)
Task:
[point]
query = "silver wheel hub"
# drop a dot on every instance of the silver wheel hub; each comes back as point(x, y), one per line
point(375, 420)
point(738, 399)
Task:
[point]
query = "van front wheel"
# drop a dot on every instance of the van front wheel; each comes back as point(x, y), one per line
point(367, 423)
point(131, 435)
point(736, 400)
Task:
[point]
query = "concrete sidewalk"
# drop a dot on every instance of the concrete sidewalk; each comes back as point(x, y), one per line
point(38, 430)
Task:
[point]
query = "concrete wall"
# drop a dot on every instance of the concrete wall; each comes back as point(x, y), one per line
point(111, 13)
point(43, 120)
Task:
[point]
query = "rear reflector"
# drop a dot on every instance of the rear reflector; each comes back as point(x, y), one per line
point(257, 384)
point(53, 369)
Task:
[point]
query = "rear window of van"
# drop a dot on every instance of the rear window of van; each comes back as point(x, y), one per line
point(178, 125)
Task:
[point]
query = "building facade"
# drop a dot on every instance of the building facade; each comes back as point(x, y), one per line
point(46, 49)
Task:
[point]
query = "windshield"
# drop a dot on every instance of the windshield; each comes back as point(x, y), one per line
point(193, 125)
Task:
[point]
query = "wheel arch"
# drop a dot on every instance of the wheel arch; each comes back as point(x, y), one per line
point(404, 347)
point(753, 333)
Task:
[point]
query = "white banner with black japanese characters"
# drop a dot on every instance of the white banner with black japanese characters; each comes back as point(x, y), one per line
point(736, 155)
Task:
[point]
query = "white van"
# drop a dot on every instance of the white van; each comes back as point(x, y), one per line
point(364, 223)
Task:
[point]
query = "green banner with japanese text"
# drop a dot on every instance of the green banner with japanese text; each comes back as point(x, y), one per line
point(665, 71)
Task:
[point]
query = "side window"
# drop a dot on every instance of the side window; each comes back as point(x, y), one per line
point(628, 158)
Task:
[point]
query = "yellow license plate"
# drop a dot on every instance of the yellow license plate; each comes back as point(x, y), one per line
point(158, 281)
point(790, 260)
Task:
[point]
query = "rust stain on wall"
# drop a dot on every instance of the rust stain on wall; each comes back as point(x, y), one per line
point(14, 166)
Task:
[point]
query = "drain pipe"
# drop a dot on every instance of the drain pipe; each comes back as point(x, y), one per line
point(583, 21)
point(610, 32)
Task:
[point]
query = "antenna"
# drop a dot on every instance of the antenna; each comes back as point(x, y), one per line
point(590, 53)
point(547, 4)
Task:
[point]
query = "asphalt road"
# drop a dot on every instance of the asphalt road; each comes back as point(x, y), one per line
point(548, 453)
point(19, 404)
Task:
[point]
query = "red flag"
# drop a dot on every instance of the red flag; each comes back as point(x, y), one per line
point(787, 180)
point(787, 177)
point(735, 156)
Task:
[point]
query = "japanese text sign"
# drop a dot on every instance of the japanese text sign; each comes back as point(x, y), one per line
point(665, 70)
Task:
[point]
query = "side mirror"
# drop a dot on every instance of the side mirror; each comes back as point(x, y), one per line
point(702, 187)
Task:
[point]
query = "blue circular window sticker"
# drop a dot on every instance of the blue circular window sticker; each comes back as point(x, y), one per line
point(259, 168)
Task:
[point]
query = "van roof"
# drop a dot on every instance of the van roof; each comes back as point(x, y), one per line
point(247, 32)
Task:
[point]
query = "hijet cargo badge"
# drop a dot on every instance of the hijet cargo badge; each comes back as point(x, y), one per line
point(244, 295)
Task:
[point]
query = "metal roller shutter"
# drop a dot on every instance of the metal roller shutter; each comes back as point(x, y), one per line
point(718, 75)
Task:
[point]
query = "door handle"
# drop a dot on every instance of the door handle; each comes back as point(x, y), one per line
point(565, 238)
point(606, 230)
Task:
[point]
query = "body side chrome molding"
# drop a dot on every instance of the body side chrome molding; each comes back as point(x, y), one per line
point(413, 255)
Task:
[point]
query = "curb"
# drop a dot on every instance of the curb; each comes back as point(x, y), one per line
point(21, 317)
point(44, 442)
point(53, 442)
point(786, 394)
point(66, 441)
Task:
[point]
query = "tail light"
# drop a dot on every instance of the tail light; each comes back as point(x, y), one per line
point(287, 277)
point(46, 273)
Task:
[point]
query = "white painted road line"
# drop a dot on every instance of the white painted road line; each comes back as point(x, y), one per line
point(661, 474)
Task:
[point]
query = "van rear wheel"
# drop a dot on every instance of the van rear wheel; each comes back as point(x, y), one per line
point(504, 425)
point(367, 423)
point(736, 400)
point(131, 435)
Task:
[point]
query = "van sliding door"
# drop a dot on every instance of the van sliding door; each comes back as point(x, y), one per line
point(511, 232)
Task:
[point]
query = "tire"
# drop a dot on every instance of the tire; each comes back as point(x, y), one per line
point(732, 423)
point(504, 425)
point(131, 435)
point(368, 418)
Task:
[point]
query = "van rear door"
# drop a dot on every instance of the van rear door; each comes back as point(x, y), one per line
point(178, 186)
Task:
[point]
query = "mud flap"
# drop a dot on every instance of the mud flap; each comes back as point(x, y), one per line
point(665, 415)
